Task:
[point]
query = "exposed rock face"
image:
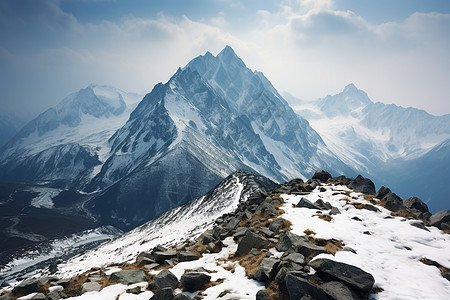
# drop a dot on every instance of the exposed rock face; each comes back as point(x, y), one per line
point(249, 241)
point(164, 279)
point(128, 276)
point(321, 175)
point(441, 219)
point(298, 287)
point(307, 204)
point(163, 294)
point(363, 185)
point(266, 269)
point(348, 274)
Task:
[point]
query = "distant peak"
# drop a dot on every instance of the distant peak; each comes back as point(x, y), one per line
point(227, 52)
point(350, 87)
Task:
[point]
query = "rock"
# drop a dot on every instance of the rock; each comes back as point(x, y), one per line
point(321, 175)
point(286, 241)
point(393, 202)
point(267, 208)
point(322, 189)
point(182, 297)
point(38, 296)
point(161, 256)
point(135, 290)
point(295, 258)
point(27, 286)
point(90, 287)
point(249, 241)
point(280, 278)
point(63, 282)
point(266, 269)
point(352, 276)
point(307, 249)
point(240, 232)
point(186, 256)
point(143, 255)
point(371, 208)
point(420, 225)
point(415, 203)
point(164, 279)
point(440, 218)
point(159, 248)
point(262, 295)
point(56, 295)
point(232, 223)
point(276, 225)
point(307, 204)
point(299, 287)
point(206, 237)
point(151, 266)
point(334, 211)
point(382, 192)
point(362, 185)
point(163, 294)
point(128, 276)
point(323, 205)
point(266, 232)
point(349, 249)
point(194, 281)
point(339, 291)
point(8, 296)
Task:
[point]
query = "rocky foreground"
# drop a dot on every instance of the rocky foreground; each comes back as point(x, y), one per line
point(327, 238)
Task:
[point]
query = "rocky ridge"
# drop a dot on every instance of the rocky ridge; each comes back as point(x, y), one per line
point(256, 241)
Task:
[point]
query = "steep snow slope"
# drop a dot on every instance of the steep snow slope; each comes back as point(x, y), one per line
point(69, 139)
point(181, 223)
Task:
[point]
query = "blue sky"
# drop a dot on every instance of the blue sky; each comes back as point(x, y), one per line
point(397, 51)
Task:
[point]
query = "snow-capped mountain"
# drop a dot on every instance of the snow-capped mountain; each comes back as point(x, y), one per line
point(67, 140)
point(212, 117)
point(9, 127)
point(386, 142)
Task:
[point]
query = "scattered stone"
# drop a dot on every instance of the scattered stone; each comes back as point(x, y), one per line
point(338, 291)
point(262, 295)
point(286, 241)
point(267, 208)
point(420, 225)
point(56, 295)
point(163, 294)
point(186, 256)
point(307, 204)
point(143, 255)
point(164, 279)
point(349, 249)
point(321, 175)
point(161, 256)
point(266, 270)
point(128, 276)
point(182, 297)
point(299, 287)
point(266, 232)
point(334, 211)
point(135, 290)
point(323, 205)
point(159, 248)
point(38, 296)
point(27, 286)
point(322, 189)
point(367, 232)
point(357, 219)
point(440, 218)
point(307, 249)
point(371, 208)
point(90, 287)
point(362, 185)
point(350, 275)
point(276, 225)
point(63, 282)
point(296, 258)
point(194, 281)
point(151, 266)
point(249, 241)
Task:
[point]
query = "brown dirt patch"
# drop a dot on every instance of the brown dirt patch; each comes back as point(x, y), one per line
point(309, 232)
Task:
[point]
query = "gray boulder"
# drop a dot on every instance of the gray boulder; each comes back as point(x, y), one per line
point(276, 225)
point(164, 279)
point(415, 203)
point(194, 281)
point(339, 291)
point(287, 240)
point(393, 202)
point(27, 286)
point(323, 205)
point(128, 276)
point(382, 192)
point(186, 256)
point(262, 295)
point(321, 175)
point(306, 248)
point(161, 256)
point(249, 241)
point(362, 185)
point(441, 219)
point(90, 287)
point(295, 258)
point(266, 269)
point(307, 204)
point(163, 294)
point(56, 295)
point(267, 208)
point(298, 287)
point(352, 276)
point(334, 211)
point(181, 297)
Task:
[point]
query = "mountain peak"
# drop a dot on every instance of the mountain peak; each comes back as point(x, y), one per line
point(350, 88)
point(227, 52)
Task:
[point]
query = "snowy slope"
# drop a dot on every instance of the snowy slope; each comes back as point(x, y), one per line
point(74, 133)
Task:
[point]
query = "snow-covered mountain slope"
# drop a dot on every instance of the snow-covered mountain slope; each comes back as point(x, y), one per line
point(9, 127)
point(329, 242)
point(181, 223)
point(364, 134)
point(188, 134)
point(69, 139)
